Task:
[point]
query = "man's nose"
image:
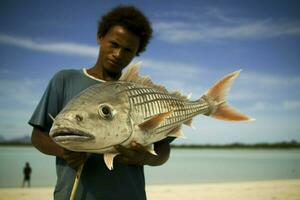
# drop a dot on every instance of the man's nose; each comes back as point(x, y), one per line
point(117, 52)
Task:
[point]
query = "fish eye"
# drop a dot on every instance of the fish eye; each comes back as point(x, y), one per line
point(106, 111)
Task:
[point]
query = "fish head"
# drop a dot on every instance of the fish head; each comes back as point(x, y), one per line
point(94, 121)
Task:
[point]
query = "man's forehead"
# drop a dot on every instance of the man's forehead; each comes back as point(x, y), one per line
point(122, 35)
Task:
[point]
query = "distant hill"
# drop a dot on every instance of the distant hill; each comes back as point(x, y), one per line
point(2, 139)
point(24, 140)
point(278, 145)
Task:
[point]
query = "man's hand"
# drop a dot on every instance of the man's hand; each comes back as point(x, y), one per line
point(42, 141)
point(139, 155)
point(136, 155)
point(74, 159)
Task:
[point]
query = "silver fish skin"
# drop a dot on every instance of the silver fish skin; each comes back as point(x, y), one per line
point(134, 109)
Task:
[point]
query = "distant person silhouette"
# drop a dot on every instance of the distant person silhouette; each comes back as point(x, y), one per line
point(27, 172)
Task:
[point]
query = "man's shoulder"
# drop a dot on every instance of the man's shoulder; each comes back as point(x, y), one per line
point(66, 74)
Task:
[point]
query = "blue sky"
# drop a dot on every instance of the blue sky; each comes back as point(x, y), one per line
point(195, 43)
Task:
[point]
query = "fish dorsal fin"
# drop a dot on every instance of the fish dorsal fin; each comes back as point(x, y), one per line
point(154, 121)
point(178, 95)
point(132, 75)
point(109, 159)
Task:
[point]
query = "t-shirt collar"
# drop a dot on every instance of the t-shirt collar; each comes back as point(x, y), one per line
point(90, 76)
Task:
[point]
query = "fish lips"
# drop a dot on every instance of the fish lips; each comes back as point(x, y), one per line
point(66, 135)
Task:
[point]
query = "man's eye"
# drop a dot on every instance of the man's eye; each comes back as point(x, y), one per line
point(128, 50)
point(113, 44)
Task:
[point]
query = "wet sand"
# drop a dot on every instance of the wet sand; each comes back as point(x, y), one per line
point(258, 190)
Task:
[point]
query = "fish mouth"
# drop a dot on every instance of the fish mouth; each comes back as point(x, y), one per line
point(71, 135)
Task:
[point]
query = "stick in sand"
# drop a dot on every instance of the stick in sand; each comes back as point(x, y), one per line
point(77, 178)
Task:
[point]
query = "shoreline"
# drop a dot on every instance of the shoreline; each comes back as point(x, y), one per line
point(258, 190)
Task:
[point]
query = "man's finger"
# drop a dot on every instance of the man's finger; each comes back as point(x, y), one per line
point(122, 159)
point(138, 147)
point(125, 151)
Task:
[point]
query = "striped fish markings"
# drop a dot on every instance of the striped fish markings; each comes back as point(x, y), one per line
point(134, 109)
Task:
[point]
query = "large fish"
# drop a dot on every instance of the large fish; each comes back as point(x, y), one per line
point(134, 109)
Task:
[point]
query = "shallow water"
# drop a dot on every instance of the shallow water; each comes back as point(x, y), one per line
point(184, 166)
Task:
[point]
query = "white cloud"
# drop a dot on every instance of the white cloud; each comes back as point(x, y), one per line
point(255, 86)
point(54, 47)
point(175, 76)
point(173, 70)
point(279, 106)
point(271, 79)
point(188, 77)
point(291, 105)
point(19, 92)
point(173, 14)
point(249, 86)
point(19, 97)
point(206, 13)
point(14, 121)
point(218, 14)
point(189, 31)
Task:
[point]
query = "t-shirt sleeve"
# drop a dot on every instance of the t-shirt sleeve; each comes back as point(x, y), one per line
point(50, 103)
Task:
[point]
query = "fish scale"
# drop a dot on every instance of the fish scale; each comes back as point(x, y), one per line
point(151, 102)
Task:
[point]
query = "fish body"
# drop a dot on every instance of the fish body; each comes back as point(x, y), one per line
point(133, 109)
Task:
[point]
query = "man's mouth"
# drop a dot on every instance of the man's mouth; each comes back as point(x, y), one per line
point(114, 62)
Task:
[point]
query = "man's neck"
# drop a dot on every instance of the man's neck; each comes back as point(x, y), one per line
point(100, 73)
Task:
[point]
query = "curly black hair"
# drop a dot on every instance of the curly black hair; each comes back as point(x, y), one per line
point(130, 18)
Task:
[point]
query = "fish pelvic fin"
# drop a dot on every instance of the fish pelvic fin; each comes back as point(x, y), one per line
point(150, 149)
point(215, 96)
point(176, 132)
point(109, 159)
point(189, 122)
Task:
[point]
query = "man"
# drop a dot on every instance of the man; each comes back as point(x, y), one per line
point(27, 172)
point(123, 33)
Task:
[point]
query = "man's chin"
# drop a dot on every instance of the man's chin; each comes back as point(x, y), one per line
point(114, 69)
point(113, 72)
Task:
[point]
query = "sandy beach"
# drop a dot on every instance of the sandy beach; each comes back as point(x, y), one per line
point(259, 190)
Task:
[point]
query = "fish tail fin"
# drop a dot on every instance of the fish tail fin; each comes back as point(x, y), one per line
point(216, 100)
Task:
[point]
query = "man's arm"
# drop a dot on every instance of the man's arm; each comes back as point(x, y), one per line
point(162, 148)
point(139, 155)
point(42, 141)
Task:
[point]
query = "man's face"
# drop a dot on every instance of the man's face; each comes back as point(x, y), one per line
point(118, 48)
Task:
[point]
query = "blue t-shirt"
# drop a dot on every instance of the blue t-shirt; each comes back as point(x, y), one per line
point(96, 181)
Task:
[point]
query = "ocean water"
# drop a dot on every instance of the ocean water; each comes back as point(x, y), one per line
point(185, 166)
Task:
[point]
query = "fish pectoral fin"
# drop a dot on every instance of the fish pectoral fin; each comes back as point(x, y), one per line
point(154, 121)
point(176, 132)
point(109, 159)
